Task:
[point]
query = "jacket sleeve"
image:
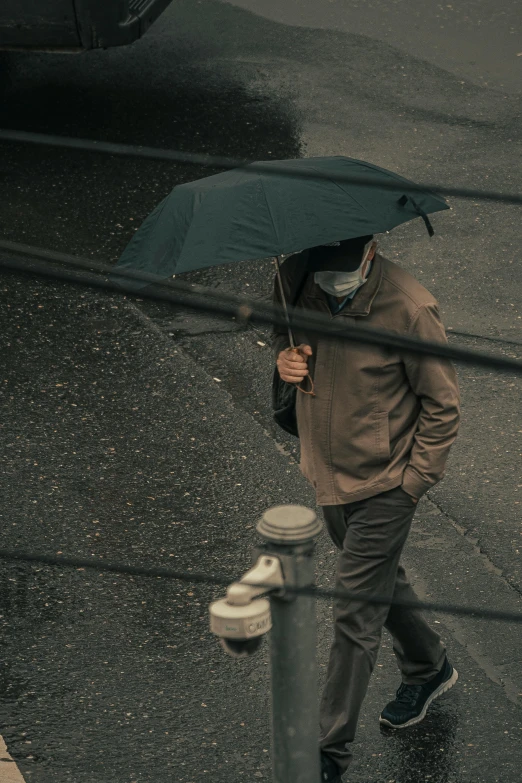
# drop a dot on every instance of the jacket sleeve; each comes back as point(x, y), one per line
point(434, 381)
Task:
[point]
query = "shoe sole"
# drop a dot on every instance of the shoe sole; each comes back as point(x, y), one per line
point(443, 688)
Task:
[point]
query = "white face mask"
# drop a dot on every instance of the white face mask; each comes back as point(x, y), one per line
point(339, 283)
point(343, 283)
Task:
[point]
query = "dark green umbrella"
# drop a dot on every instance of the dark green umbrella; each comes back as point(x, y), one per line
point(253, 212)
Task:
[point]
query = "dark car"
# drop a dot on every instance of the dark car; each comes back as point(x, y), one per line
point(75, 25)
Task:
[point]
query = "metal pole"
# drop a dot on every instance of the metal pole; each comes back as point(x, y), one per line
point(289, 533)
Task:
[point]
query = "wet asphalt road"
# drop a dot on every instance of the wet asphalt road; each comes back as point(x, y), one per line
point(118, 442)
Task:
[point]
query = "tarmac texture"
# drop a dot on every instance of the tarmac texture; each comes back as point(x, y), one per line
point(140, 432)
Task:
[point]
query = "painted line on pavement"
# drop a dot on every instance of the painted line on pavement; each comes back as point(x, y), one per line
point(9, 772)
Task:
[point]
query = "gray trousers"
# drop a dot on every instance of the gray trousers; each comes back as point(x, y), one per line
point(371, 535)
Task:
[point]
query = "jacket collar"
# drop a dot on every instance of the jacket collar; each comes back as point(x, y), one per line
point(362, 301)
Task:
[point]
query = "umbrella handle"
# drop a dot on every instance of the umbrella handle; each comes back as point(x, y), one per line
point(277, 263)
point(293, 347)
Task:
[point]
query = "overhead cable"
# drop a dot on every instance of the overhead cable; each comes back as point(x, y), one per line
point(220, 162)
point(66, 259)
point(214, 579)
point(248, 311)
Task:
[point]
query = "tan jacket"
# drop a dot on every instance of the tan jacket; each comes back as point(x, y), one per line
point(380, 418)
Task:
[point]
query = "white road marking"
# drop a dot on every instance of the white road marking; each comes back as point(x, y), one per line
point(9, 772)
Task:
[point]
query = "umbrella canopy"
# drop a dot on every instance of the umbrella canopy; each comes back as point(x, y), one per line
point(251, 213)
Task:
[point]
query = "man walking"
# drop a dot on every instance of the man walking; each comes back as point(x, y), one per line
point(375, 437)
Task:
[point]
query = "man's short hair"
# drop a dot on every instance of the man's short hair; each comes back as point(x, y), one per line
point(344, 257)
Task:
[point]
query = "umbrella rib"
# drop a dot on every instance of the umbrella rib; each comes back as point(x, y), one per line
point(345, 191)
point(269, 210)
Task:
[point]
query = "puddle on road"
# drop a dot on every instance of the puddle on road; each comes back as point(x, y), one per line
point(425, 753)
point(163, 92)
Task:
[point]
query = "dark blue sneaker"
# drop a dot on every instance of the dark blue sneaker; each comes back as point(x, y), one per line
point(412, 701)
point(330, 772)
